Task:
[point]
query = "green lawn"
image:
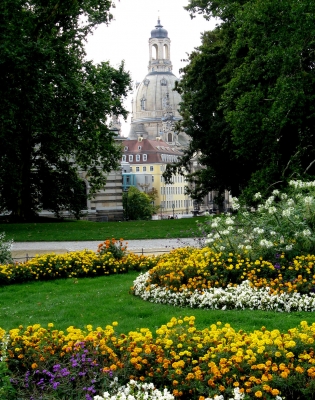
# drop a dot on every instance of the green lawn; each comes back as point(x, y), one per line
point(100, 301)
point(87, 230)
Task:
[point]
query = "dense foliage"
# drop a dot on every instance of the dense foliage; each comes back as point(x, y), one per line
point(54, 106)
point(138, 205)
point(284, 223)
point(248, 96)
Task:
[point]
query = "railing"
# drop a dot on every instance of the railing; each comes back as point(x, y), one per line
point(138, 251)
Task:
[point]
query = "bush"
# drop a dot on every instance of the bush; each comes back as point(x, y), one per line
point(5, 250)
point(284, 223)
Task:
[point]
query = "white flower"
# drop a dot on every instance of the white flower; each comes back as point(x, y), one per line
point(289, 247)
point(287, 212)
point(248, 247)
point(284, 196)
point(266, 243)
point(258, 230)
point(272, 233)
point(306, 232)
point(229, 221)
point(272, 210)
point(269, 201)
point(276, 192)
point(290, 202)
point(240, 230)
point(235, 203)
point(214, 224)
point(308, 200)
point(257, 196)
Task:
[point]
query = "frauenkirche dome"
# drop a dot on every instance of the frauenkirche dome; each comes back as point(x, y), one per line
point(155, 104)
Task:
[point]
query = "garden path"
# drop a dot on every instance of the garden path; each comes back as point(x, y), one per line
point(22, 250)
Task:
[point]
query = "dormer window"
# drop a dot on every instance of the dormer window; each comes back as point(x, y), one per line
point(144, 157)
point(124, 158)
point(126, 148)
point(138, 157)
point(139, 147)
point(130, 158)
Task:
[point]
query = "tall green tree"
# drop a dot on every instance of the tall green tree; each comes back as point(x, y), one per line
point(137, 205)
point(248, 96)
point(54, 105)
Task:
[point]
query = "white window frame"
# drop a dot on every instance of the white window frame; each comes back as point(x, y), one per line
point(130, 157)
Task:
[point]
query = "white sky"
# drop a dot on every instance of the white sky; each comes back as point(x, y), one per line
point(126, 38)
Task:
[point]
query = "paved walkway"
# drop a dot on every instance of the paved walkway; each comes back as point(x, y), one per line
point(153, 246)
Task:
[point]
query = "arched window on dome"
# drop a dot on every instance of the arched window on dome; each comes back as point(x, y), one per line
point(154, 54)
point(142, 103)
point(169, 137)
point(166, 55)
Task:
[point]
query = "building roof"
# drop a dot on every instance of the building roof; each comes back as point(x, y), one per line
point(157, 151)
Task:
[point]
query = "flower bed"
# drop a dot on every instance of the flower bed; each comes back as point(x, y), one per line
point(205, 279)
point(192, 364)
point(73, 265)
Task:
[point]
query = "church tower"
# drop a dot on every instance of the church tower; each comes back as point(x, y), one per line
point(155, 104)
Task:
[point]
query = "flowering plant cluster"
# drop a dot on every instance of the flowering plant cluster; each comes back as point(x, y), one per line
point(243, 296)
point(75, 264)
point(135, 391)
point(188, 270)
point(5, 249)
point(113, 246)
point(284, 223)
point(192, 364)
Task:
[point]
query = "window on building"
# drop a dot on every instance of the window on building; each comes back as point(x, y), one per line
point(137, 169)
point(152, 178)
point(144, 169)
point(139, 147)
point(138, 157)
point(144, 157)
point(126, 148)
point(151, 168)
point(124, 158)
point(130, 158)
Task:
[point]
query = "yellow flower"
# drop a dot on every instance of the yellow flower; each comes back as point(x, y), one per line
point(258, 394)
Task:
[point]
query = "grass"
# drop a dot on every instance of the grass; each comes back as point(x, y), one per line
point(100, 301)
point(87, 230)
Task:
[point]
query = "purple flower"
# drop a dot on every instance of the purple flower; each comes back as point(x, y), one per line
point(55, 385)
point(277, 266)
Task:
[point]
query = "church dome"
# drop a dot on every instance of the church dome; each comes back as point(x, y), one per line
point(159, 32)
point(155, 103)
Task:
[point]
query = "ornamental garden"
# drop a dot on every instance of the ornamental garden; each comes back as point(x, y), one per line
point(259, 259)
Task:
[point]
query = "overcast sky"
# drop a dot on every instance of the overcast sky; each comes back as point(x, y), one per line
point(126, 38)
